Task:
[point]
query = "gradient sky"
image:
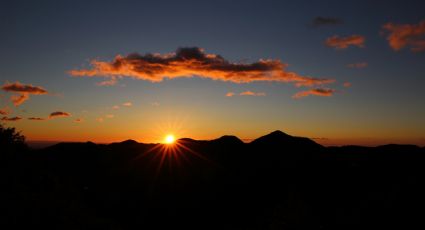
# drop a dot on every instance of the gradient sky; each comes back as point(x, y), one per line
point(42, 41)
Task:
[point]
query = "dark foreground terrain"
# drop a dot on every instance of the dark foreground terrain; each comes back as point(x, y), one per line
point(275, 182)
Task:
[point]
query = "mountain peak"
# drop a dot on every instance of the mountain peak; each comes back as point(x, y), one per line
point(129, 142)
point(229, 139)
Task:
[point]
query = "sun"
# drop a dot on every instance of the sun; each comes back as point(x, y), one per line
point(169, 139)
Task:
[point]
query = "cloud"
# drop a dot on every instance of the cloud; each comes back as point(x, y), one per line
point(17, 87)
point(127, 104)
point(190, 62)
point(246, 93)
point(78, 120)
point(359, 65)
point(347, 84)
point(344, 42)
point(110, 82)
point(5, 111)
point(36, 119)
point(156, 104)
point(11, 118)
point(230, 94)
point(19, 99)
point(23, 91)
point(99, 119)
point(59, 114)
point(325, 21)
point(115, 107)
point(315, 92)
point(109, 116)
point(402, 35)
point(250, 93)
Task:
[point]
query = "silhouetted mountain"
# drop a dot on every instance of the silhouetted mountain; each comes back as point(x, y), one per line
point(284, 140)
point(275, 182)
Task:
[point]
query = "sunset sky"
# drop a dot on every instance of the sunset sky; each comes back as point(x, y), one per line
point(340, 72)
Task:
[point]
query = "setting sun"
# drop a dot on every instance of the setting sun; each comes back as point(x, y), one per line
point(169, 139)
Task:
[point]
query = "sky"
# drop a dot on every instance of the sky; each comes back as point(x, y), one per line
point(339, 72)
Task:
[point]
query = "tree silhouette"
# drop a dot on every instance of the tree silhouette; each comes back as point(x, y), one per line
point(11, 140)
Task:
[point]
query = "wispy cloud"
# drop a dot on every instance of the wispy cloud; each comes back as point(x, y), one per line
point(99, 119)
point(23, 91)
point(115, 107)
point(402, 35)
point(347, 84)
point(191, 62)
point(230, 94)
point(36, 118)
point(344, 42)
point(359, 65)
point(5, 111)
point(79, 120)
point(326, 21)
point(127, 104)
point(59, 114)
point(109, 116)
point(246, 93)
point(315, 92)
point(11, 118)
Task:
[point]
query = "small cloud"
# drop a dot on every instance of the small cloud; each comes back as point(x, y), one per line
point(156, 104)
point(23, 91)
point(127, 104)
point(315, 92)
point(19, 99)
point(115, 107)
point(402, 35)
point(347, 84)
point(11, 118)
point(344, 42)
point(326, 21)
point(246, 93)
point(110, 82)
point(109, 116)
point(230, 94)
point(36, 118)
point(59, 114)
point(99, 119)
point(250, 93)
point(5, 111)
point(79, 120)
point(359, 65)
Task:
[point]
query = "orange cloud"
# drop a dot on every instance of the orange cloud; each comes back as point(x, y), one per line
point(11, 118)
point(402, 35)
point(359, 65)
point(78, 120)
point(5, 111)
point(59, 114)
point(36, 119)
point(19, 99)
point(23, 91)
point(99, 119)
point(245, 93)
point(345, 42)
point(190, 62)
point(230, 94)
point(316, 92)
point(109, 116)
point(115, 107)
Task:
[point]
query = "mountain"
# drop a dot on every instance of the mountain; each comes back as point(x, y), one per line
point(277, 181)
